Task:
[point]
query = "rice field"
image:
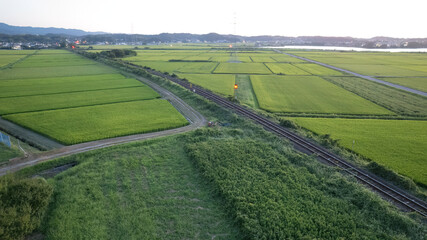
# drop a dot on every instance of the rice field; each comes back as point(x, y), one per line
point(286, 69)
point(374, 64)
point(72, 99)
point(418, 83)
point(243, 68)
point(219, 83)
point(83, 124)
point(40, 86)
point(309, 94)
point(400, 145)
point(318, 70)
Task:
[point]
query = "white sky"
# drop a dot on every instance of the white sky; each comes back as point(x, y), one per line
point(356, 18)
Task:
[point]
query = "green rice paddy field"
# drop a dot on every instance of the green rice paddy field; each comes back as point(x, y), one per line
point(309, 94)
point(83, 124)
point(72, 99)
point(400, 145)
point(219, 83)
point(406, 66)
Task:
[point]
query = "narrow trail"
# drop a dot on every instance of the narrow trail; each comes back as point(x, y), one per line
point(195, 119)
point(358, 75)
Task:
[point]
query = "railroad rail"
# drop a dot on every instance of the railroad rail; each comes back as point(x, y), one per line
point(386, 190)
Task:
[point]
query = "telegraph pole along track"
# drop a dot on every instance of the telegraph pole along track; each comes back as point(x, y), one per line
point(195, 119)
point(389, 192)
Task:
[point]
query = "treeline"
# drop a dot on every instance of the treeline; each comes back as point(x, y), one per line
point(115, 53)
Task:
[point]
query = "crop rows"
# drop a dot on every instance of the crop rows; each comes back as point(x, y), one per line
point(72, 99)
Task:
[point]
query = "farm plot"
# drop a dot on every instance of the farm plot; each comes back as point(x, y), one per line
point(286, 58)
point(17, 52)
point(318, 70)
point(401, 145)
point(7, 59)
point(219, 83)
point(309, 94)
point(419, 83)
point(262, 58)
point(83, 124)
point(286, 68)
point(381, 70)
point(75, 99)
point(243, 68)
point(40, 86)
point(197, 67)
point(374, 64)
point(53, 60)
point(62, 71)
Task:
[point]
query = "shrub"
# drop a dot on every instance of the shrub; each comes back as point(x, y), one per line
point(22, 205)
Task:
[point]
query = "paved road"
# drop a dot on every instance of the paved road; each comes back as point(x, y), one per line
point(358, 75)
point(195, 118)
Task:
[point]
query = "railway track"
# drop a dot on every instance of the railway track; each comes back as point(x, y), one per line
point(386, 190)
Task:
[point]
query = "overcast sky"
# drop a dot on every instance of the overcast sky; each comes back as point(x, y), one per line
point(356, 18)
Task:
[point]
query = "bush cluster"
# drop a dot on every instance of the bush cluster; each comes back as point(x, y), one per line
point(22, 205)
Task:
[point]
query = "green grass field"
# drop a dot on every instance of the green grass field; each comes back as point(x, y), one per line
point(309, 94)
point(39, 86)
point(286, 68)
point(400, 145)
point(243, 68)
point(374, 64)
point(145, 190)
point(16, 52)
point(62, 71)
point(83, 124)
point(197, 67)
point(397, 101)
point(75, 99)
point(7, 59)
point(53, 60)
point(419, 83)
point(275, 195)
point(318, 70)
point(219, 83)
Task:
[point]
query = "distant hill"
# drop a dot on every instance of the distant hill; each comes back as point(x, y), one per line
point(16, 30)
point(14, 34)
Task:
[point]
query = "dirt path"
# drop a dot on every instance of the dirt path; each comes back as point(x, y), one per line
point(195, 118)
point(359, 75)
